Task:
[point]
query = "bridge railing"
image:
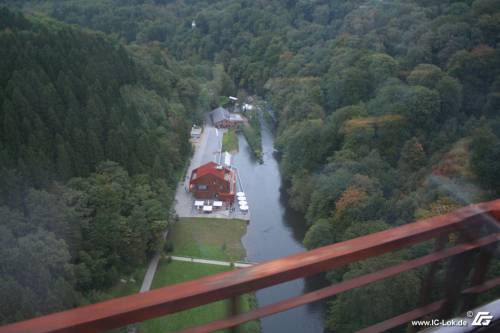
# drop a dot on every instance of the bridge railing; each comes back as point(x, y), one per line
point(476, 232)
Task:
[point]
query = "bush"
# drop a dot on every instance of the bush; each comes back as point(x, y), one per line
point(168, 247)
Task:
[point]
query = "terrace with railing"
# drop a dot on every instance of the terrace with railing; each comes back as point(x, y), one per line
point(468, 255)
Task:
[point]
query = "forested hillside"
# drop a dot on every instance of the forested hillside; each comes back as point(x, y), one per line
point(92, 139)
point(388, 110)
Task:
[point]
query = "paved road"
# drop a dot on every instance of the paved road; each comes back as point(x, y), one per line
point(206, 149)
point(211, 262)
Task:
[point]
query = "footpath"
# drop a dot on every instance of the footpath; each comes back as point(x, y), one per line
point(212, 262)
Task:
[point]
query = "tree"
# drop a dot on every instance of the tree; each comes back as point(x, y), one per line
point(412, 156)
point(450, 91)
point(381, 66)
point(348, 87)
point(10, 129)
point(64, 163)
point(96, 153)
point(485, 158)
point(422, 108)
point(426, 75)
point(158, 170)
point(53, 213)
point(34, 267)
point(354, 309)
point(302, 150)
point(319, 234)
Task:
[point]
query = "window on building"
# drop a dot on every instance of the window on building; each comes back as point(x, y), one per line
point(202, 187)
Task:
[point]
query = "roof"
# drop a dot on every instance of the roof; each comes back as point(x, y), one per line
point(219, 114)
point(195, 130)
point(211, 168)
point(235, 117)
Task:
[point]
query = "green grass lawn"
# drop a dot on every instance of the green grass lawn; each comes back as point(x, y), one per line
point(175, 272)
point(208, 238)
point(230, 141)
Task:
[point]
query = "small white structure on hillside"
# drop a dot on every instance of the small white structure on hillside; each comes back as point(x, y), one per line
point(247, 107)
point(196, 132)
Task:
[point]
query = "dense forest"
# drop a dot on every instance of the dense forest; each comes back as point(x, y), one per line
point(92, 140)
point(388, 111)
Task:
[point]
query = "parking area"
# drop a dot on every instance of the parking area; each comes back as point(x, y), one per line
point(206, 149)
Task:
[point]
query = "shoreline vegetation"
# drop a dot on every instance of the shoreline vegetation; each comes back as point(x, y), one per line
point(252, 133)
point(207, 238)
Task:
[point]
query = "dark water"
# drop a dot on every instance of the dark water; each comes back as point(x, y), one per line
point(275, 231)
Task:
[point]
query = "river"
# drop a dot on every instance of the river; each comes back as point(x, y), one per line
point(275, 231)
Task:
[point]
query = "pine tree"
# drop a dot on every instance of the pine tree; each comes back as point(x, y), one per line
point(53, 122)
point(10, 131)
point(158, 170)
point(82, 155)
point(144, 149)
point(114, 146)
point(95, 149)
point(64, 162)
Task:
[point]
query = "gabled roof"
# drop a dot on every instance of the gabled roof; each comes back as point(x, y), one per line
point(211, 168)
point(220, 114)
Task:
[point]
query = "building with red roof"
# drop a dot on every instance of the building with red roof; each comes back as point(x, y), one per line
point(213, 181)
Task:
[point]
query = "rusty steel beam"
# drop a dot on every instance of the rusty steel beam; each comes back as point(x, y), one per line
point(343, 286)
point(479, 274)
point(138, 307)
point(495, 282)
point(459, 268)
point(234, 310)
point(428, 282)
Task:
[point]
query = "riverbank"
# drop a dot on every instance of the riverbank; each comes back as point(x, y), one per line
point(252, 133)
point(275, 231)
